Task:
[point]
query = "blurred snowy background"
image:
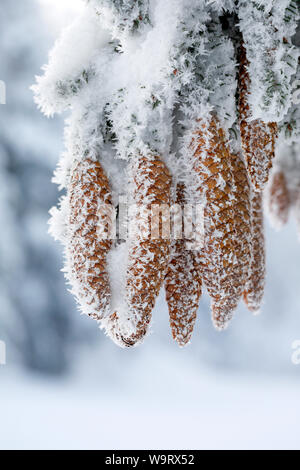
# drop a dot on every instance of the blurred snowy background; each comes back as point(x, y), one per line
point(67, 386)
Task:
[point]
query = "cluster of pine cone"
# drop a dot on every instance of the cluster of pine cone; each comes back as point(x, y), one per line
point(231, 263)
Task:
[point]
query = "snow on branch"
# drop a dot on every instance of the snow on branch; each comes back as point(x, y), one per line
point(72, 63)
point(267, 28)
point(122, 16)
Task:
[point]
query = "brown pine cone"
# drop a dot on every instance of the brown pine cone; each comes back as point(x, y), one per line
point(255, 285)
point(218, 259)
point(87, 250)
point(182, 284)
point(148, 252)
point(258, 138)
point(279, 200)
point(242, 219)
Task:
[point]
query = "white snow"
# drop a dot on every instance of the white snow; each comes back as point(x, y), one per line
point(158, 402)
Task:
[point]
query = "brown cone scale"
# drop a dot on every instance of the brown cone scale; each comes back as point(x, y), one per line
point(218, 259)
point(258, 138)
point(148, 256)
point(279, 200)
point(183, 284)
point(86, 252)
point(242, 219)
point(255, 285)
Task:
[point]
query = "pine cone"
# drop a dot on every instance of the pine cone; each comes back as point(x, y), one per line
point(258, 138)
point(182, 284)
point(279, 200)
point(87, 250)
point(148, 256)
point(242, 219)
point(218, 259)
point(255, 285)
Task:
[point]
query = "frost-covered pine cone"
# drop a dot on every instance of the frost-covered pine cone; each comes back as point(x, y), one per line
point(183, 284)
point(255, 286)
point(242, 219)
point(148, 254)
point(258, 138)
point(218, 259)
point(279, 200)
point(88, 238)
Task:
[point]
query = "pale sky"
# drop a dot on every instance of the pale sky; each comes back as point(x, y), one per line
point(59, 13)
